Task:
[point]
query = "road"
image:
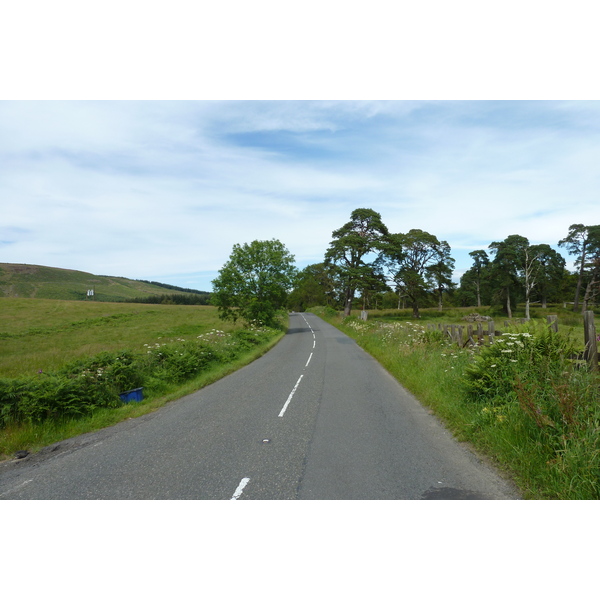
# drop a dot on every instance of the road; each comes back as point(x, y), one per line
point(314, 418)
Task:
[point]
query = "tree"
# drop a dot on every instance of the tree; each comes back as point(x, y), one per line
point(315, 286)
point(362, 236)
point(480, 263)
point(505, 267)
point(408, 259)
point(593, 287)
point(550, 272)
point(578, 243)
point(528, 268)
point(439, 274)
point(255, 282)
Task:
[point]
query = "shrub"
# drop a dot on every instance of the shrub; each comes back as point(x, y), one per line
point(85, 384)
point(517, 359)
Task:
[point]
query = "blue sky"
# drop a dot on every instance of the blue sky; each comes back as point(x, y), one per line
point(162, 190)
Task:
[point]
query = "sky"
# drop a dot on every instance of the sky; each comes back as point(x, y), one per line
point(162, 190)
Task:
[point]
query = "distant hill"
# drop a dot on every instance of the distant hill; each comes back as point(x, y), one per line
point(34, 281)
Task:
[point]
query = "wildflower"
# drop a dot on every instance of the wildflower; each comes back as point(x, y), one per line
point(492, 366)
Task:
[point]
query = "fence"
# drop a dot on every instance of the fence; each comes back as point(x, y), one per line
point(475, 334)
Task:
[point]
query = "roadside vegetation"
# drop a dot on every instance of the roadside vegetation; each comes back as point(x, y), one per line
point(524, 401)
point(64, 364)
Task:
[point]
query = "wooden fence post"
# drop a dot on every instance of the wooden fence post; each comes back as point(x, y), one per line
point(553, 322)
point(591, 341)
point(491, 331)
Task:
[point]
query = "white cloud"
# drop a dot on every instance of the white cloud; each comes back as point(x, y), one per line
point(151, 189)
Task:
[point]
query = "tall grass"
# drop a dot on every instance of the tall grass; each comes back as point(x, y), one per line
point(523, 402)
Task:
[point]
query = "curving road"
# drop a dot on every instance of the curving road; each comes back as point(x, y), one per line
point(315, 418)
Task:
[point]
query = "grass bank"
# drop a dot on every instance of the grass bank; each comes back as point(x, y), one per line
point(64, 364)
point(522, 402)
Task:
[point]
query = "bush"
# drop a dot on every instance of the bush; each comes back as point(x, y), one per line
point(52, 397)
point(517, 359)
point(176, 362)
point(85, 384)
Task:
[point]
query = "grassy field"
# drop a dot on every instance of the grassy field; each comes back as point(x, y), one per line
point(45, 334)
point(522, 404)
point(170, 350)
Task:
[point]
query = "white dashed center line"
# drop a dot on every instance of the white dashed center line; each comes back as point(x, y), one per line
point(301, 376)
point(240, 488)
point(290, 397)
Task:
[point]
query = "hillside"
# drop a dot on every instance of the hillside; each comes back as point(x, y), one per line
point(34, 281)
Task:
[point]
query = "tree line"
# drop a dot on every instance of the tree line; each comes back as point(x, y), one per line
point(365, 263)
point(197, 299)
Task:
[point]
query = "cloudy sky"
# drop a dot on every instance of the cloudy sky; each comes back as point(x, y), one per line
point(162, 190)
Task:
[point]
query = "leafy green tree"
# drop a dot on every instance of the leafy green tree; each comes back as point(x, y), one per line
point(255, 282)
point(408, 259)
point(352, 243)
point(593, 285)
point(580, 240)
point(373, 286)
point(528, 268)
point(481, 263)
point(467, 291)
point(316, 285)
point(550, 272)
point(439, 274)
point(505, 269)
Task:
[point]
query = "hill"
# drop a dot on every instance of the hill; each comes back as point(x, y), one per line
point(35, 281)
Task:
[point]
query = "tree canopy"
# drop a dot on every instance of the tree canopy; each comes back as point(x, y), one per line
point(255, 282)
point(352, 243)
point(387, 269)
point(413, 259)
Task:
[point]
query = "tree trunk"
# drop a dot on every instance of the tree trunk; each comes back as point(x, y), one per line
point(416, 314)
point(527, 309)
point(348, 304)
point(587, 295)
point(579, 281)
point(508, 308)
point(478, 296)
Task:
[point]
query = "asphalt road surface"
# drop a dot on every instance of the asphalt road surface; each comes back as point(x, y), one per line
point(315, 418)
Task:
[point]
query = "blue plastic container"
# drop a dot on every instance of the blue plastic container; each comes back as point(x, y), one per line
point(136, 395)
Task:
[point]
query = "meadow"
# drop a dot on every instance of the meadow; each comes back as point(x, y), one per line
point(64, 363)
point(522, 403)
